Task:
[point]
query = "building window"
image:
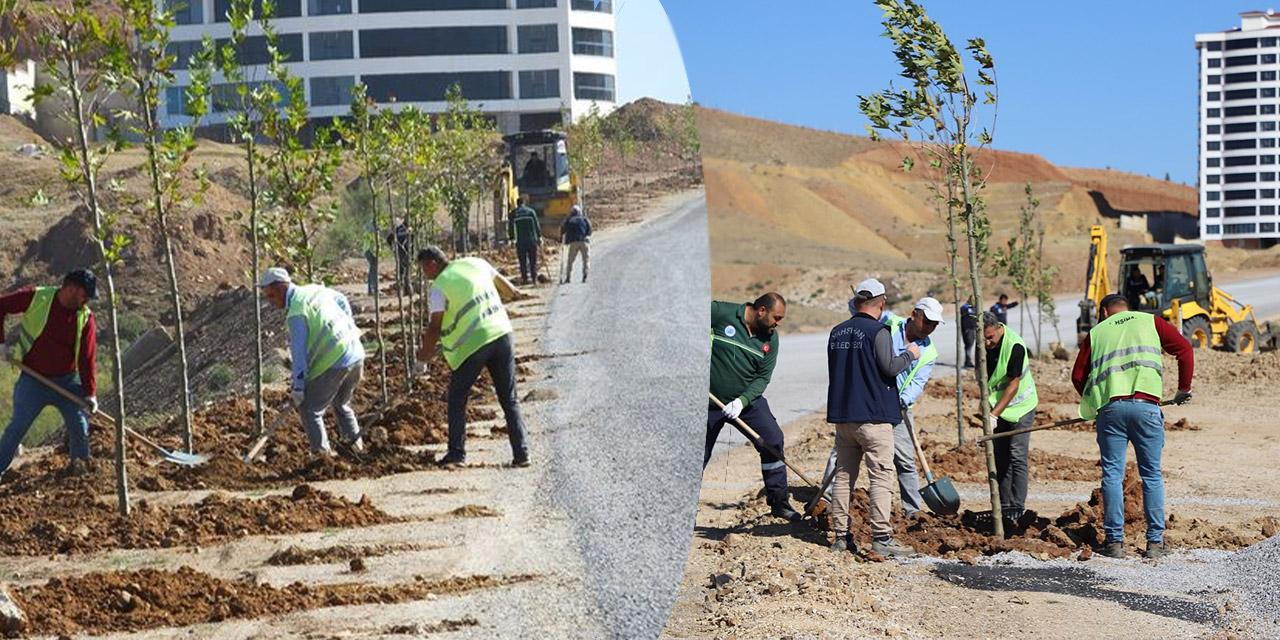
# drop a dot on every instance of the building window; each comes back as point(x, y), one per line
point(1213, 196)
point(1243, 43)
point(1215, 79)
point(432, 41)
point(1267, 92)
point(1232, 145)
point(603, 6)
point(392, 6)
point(1264, 194)
point(183, 51)
point(593, 42)
point(1267, 210)
point(331, 91)
point(1247, 227)
point(540, 120)
point(1241, 161)
point(1267, 227)
point(1213, 112)
point(433, 87)
point(538, 38)
point(175, 101)
point(331, 45)
point(1240, 61)
point(186, 11)
point(1267, 76)
point(1212, 178)
point(1213, 212)
point(1238, 127)
point(1213, 96)
point(1269, 126)
point(1267, 109)
point(1213, 162)
point(1266, 177)
point(1213, 145)
point(1239, 194)
point(226, 97)
point(536, 4)
point(1213, 129)
point(1268, 58)
point(593, 86)
point(328, 7)
point(1213, 228)
point(1267, 159)
point(1236, 212)
point(1242, 94)
point(284, 9)
point(253, 49)
point(1233, 178)
point(1247, 110)
point(1268, 42)
point(1247, 76)
point(1215, 63)
point(544, 83)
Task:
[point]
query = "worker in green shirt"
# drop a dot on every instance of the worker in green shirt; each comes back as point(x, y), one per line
point(744, 349)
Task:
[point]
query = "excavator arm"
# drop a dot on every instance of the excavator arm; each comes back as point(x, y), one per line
point(1097, 281)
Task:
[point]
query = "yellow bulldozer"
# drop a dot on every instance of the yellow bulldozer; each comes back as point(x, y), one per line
point(536, 166)
point(1172, 281)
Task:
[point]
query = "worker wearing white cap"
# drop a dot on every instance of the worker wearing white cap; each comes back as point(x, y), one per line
point(328, 358)
point(863, 404)
point(914, 329)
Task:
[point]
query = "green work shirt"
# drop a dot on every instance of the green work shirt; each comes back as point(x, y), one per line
point(741, 364)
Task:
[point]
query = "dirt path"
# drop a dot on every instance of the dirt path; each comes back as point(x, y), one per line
point(752, 576)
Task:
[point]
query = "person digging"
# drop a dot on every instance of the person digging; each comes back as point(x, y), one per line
point(470, 325)
point(328, 358)
point(57, 339)
point(1119, 375)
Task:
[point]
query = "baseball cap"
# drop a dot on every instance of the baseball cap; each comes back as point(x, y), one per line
point(274, 275)
point(869, 288)
point(86, 280)
point(931, 308)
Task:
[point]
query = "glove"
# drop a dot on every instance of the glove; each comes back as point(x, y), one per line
point(991, 422)
point(92, 401)
point(1182, 397)
point(297, 395)
point(732, 409)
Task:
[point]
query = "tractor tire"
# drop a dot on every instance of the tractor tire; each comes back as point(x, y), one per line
point(1198, 332)
point(1242, 337)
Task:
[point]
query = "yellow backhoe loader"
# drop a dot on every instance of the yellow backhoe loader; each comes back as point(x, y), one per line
point(537, 166)
point(1172, 281)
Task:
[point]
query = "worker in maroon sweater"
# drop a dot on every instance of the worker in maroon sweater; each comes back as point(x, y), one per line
point(56, 338)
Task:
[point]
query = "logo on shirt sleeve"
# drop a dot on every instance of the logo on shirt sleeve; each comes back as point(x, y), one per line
point(730, 331)
point(765, 347)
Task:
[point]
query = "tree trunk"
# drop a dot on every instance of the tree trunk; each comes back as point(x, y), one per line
point(395, 245)
point(250, 152)
point(377, 292)
point(175, 299)
point(953, 251)
point(980, 354)
point(91, 192)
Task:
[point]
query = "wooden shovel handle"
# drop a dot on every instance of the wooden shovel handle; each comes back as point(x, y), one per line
point(924, 462)
point(755, 437)
point(1055, 425)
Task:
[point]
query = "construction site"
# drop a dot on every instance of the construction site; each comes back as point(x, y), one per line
point(288, 543)
point(809, 213)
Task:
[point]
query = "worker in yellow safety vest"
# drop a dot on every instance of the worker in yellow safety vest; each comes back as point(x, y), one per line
point(470, 326)
point(1011, 394)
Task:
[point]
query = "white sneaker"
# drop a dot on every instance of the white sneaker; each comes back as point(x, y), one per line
point(358, 445)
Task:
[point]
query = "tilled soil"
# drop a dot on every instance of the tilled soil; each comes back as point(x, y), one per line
point(969, 464)
point(967, 535)
point(295, 555)
point(75, 522)
point(150, 599)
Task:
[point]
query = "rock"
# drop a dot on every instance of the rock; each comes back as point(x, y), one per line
point(773, 589)
point(1085, 554)
point(12, 620)
point(1019, 600)
point(967, 556)
point(81, 531)
point(358, 566)
point(125, 601)
point(378, 435)
point(720, 579)
point(1269, 528)
point(302, 492)
point(1057, 536)
point(951, 544)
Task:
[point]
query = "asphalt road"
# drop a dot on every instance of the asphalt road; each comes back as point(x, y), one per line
point(799, 385)
point(625, 441)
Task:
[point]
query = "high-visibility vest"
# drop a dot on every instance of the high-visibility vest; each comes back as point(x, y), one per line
point(1125, 358)
point(474, 315)
point(331, 333)
point(35, 318)
point(1025, 399)
point(928, 353)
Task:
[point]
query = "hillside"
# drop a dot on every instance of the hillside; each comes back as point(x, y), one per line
point(787, 204)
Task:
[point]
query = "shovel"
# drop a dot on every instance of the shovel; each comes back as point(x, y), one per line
point(939, 495)
point(1055, 425)
point(267, 432)
point(755, 437)
point(176, 457)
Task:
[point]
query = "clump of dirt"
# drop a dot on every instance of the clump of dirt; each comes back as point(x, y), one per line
point(969, 464)
point(76, 522)
point(475, 511)
point(295, 555)
point(1181, 425)
point(98, 603)
point(444, 626)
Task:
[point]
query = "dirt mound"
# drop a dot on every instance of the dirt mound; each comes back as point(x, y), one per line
point(295, 555)
point(149, 599)
point(475, 511)
point(969, 464)
point(76, 522)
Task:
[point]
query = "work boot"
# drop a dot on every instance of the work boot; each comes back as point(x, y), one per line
point(1113, 550)
point(1156, 550)
point(451, 460)
point(520, 460)
point(321, 454)
point(843, 544)
point(783, 510)
point(892, 548)
point(77, 467)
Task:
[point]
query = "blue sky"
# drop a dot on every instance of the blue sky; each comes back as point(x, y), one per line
point(649, 63)
point(1084, 83)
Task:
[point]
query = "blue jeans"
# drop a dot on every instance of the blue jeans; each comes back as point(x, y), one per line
point(1142, 423)
point(30, 397)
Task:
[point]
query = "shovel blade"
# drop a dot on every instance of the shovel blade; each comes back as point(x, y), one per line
point(185, 459)
point(941, 497)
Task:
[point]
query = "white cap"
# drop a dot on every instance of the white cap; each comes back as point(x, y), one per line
point(869, 288)
point(931, 308)
point(273, 275)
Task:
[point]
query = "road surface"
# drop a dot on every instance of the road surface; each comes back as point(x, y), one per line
point(625, 447)
point(799, 385)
